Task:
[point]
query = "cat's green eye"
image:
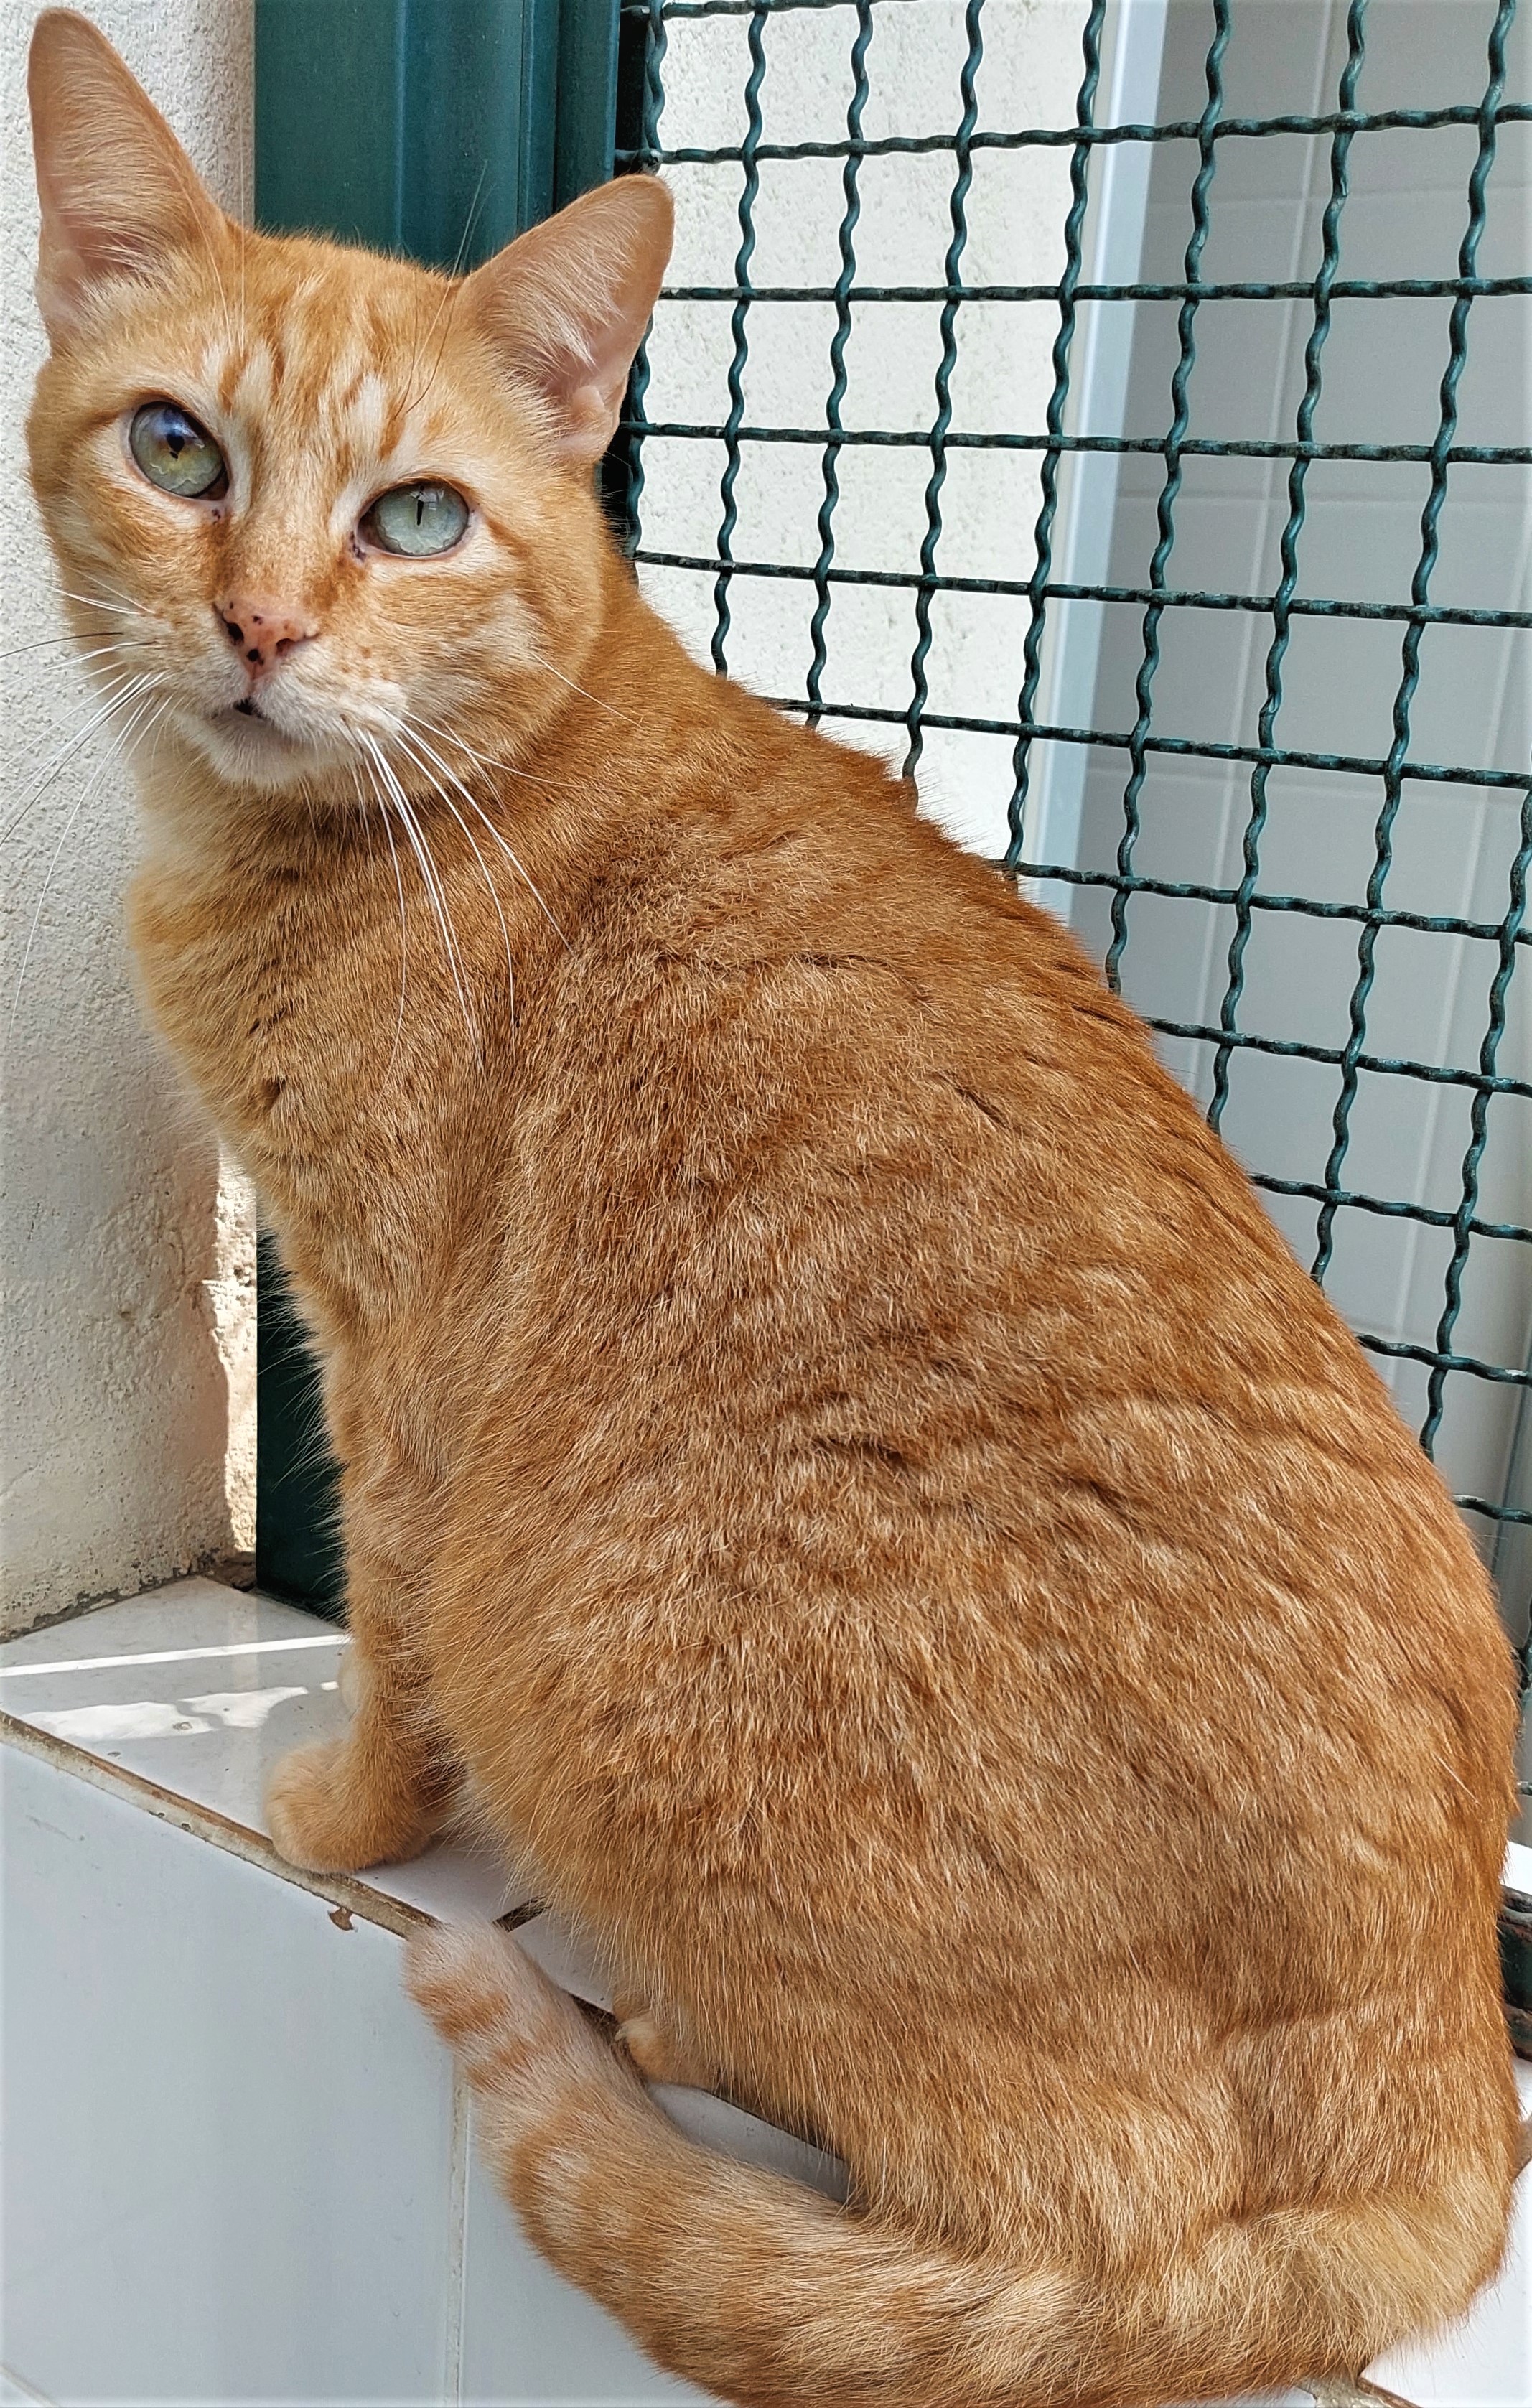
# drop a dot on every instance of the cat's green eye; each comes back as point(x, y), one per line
point(416, 520)
point(176, 453)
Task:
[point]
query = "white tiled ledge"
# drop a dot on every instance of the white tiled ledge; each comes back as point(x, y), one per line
point(237, 2166)
point(183, 1699)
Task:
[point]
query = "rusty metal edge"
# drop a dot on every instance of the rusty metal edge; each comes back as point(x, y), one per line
point(344, 1891)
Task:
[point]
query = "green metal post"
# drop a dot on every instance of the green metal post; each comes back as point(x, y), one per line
point(587, 96)
point(437, 127)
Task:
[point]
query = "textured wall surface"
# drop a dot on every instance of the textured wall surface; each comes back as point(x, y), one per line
point(127, 1260)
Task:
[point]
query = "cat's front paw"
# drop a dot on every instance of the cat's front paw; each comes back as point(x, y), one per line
point(325, 1815)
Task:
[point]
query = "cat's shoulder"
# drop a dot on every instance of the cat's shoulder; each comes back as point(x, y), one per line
point(769, 833)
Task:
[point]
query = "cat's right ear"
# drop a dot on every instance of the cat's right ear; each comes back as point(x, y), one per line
point(118, 194)
point(566, 305)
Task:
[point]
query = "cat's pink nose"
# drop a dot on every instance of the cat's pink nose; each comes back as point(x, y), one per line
point(262, 632)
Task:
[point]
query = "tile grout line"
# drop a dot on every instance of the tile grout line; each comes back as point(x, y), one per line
point(23, 2390)
point(457, 2246)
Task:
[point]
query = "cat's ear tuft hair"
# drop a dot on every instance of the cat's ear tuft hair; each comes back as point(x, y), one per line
point(118, 194)
point(566, 304)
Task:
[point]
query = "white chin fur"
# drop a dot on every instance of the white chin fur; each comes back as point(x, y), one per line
point(252, 751)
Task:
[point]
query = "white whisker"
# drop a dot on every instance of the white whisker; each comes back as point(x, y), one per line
point(121, 606)
point(430, 879)
point(511, 856)
point(146, 703)
point(104, 652)
point(363, 763)
point(610, 707)
point(414, 745)
point(431, 754)
point(132, 683)
point(539, 779)
point(38, 643)
point(484, 760)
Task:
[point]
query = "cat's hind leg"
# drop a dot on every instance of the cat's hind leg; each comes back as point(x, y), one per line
point(654, 2049)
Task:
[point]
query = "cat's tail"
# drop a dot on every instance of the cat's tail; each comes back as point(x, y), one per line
point(770, 2296)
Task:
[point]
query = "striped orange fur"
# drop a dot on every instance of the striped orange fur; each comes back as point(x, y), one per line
point(839, 1472)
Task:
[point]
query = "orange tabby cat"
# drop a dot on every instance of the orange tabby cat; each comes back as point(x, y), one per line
point(839, 1472)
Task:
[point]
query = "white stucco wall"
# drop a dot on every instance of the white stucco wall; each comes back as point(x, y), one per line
point(128, 1262)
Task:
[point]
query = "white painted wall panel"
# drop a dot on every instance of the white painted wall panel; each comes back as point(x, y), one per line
point(228, 2144)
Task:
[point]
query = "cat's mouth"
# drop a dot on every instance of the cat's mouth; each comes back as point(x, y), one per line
point(250, 715)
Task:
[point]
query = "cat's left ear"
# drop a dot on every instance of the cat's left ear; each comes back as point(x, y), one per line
point(118, 194)
point(566, 304)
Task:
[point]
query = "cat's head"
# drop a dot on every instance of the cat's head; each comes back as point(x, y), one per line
point(322, 498)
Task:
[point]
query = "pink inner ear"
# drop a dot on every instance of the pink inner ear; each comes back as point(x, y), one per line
point(567, 305)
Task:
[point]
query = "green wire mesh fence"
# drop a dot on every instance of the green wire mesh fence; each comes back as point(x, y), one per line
point(1476, 1213)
